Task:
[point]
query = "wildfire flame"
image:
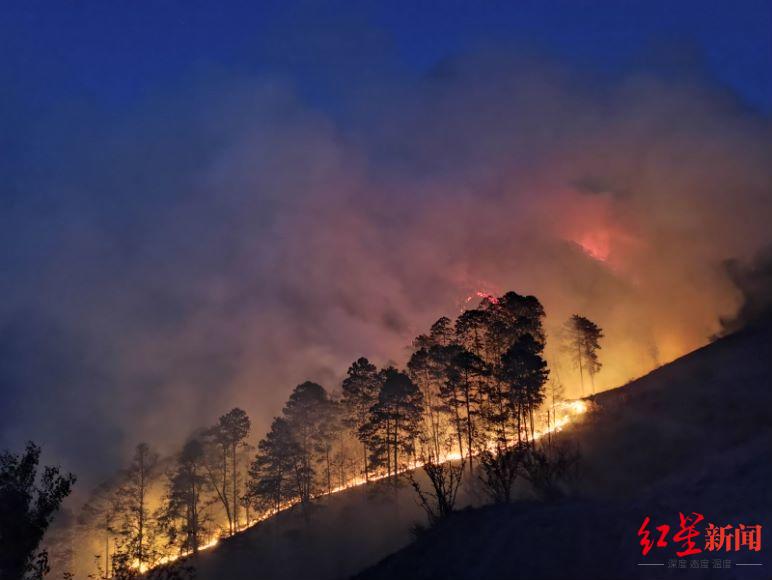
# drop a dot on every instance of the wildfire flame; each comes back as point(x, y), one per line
point(569, 411)
point(482, 294)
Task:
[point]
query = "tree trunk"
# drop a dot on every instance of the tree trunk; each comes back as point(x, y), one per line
point(549, 430)
point(502, 413)
point(141, 526)
point(458, 432)
point(388, 448)
point(364, 457)
point(468, 424)
point(432, 421)
point(396, 447)
point(225, 488)
point(194, 511)
point(327, 459)
point(234, 478)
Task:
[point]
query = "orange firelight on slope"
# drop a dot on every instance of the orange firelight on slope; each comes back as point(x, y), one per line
point(565, 413)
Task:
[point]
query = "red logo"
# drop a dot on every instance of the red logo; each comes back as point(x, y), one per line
point(693, 538)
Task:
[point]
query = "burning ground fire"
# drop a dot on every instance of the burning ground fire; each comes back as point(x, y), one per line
point(566, 411)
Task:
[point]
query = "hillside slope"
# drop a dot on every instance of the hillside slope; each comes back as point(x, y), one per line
point(335, 538)
point(694, 435)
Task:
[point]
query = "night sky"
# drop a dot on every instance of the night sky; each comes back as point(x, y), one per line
point(203, 204)
point(114, 54)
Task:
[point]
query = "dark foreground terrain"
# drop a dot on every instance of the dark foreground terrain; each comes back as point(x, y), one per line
point(692, 436)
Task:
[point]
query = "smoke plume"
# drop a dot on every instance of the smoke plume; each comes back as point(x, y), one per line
point(230, 238)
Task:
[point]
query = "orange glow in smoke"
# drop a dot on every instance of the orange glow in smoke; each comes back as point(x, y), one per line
point(596, 244)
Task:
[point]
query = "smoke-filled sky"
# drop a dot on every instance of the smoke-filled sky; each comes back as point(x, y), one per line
point(203, 206)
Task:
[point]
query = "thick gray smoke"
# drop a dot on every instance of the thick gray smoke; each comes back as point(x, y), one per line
point(228, 240)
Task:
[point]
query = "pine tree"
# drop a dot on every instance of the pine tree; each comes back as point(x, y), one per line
point(224, 440)
point(100, 514)
point(360, 392)
point(276, 474)
point(525, 371)
point(465, 374)
point(396, 417)
point(305, 411)
point(330, 425)
point(582, 341)
point(183, 516)
point(511, 318)
point(234, 428)
point(136, 525)
point(428, 373)
point(471, 330)
point(441, 333)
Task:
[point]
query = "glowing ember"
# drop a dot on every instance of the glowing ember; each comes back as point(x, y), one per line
point(483, 295)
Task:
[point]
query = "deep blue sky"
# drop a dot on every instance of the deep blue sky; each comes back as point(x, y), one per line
point(113, 53)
